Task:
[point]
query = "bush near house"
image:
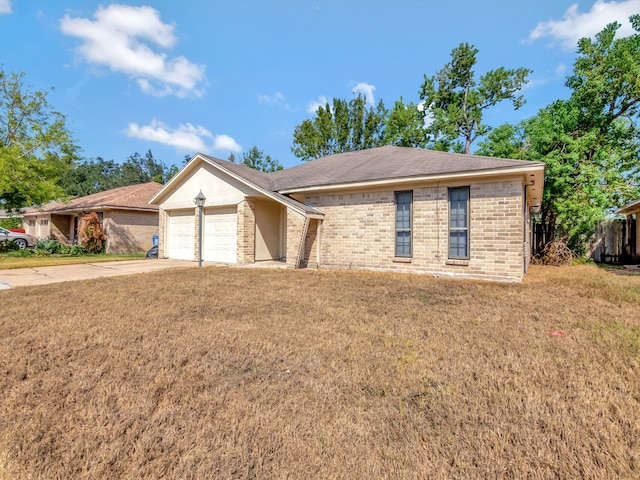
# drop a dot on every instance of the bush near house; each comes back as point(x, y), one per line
point(90, 233)
point(8, 246)
point(53, 247)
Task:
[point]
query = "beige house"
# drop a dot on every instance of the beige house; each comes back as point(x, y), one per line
point(129, 222)
point(631, 231)
point(387, 208)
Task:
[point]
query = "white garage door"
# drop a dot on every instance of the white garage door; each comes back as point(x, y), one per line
point(181, 235)
point(220, 235)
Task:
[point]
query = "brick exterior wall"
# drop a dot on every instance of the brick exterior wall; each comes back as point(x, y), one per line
point(359, 231)
point(311, 243)
point(246, 232)
point(128, 231)
point(295, 226)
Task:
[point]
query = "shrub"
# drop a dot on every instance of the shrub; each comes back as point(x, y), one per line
point(52, 247)
point(7, 246)
point(49, 246)
point(90, 233)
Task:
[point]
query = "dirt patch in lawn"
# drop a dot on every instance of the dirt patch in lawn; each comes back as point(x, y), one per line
point(251, 373)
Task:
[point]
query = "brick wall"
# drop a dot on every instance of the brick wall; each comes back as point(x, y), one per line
point(359, 231)
point(311, 243)
point(129, 232)
point(295, 226)
point(246, 232)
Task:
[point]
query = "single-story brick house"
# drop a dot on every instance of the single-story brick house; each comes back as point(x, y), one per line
point(387, 208)
point(128, 220)
point(631, 231)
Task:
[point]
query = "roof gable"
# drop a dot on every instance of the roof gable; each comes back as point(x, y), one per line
point(256, 180)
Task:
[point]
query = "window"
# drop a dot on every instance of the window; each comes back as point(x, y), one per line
point(459, 222)
point(403, 223)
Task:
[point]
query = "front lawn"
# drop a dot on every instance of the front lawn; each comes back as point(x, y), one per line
point(255, 373)
point(11, 260)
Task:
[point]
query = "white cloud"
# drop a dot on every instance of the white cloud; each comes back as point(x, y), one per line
point(366, 90)
point(225, 142)
point(120, 38)
point(561, 69)
point(186, 138)
point(5, 7)
point(575, 25)
point(276, 100)
point(314, 105)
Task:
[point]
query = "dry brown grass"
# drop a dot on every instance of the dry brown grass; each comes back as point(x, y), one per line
point(252, 373)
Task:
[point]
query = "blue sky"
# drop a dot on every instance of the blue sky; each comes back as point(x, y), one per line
point(178, 77)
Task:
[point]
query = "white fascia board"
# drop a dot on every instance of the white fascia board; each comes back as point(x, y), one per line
point(535, 167)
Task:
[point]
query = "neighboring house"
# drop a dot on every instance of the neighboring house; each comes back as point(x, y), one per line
point(631, 231)
point(4, 214)
point(387, 208)
point(128, 221)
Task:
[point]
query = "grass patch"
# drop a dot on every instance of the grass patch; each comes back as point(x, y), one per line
point(255, 373)
point(10, 261)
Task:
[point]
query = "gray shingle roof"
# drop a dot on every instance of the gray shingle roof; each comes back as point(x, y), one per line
point(376, 164)
point(384, 163)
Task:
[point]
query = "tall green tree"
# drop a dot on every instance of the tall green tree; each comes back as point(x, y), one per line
point(454, 101)
point(405, 126)
point(340, 127)
point(505, 141)
point(256, 159)
point(589, 142)
point(36, 147)
point(91, 176)
point(138, 169)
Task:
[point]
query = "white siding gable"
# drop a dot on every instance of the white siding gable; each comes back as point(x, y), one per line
point(219, 188)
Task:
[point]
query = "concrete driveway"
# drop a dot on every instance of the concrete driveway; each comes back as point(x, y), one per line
point(23, 277)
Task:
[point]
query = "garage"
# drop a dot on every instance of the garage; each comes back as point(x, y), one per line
point(181, 235)
point(220, 230)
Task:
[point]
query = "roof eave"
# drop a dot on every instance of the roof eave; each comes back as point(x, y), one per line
point(629, 207)
point(85, 208)
point(534, 167)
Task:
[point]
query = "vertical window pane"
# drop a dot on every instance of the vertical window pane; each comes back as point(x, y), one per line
point(459, 222)
point(403, 223)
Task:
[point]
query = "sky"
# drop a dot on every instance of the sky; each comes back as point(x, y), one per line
point(219, 77)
